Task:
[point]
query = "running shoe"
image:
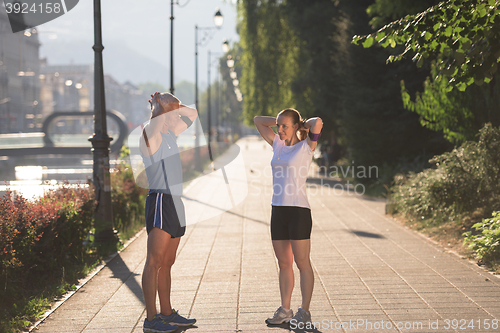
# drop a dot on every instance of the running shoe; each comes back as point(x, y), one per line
point(280, 316)
point(176, 319)
point(301, 316)
point(157, 325)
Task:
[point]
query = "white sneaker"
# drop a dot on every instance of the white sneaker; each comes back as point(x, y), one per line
point(301, 316)
point(280, 316)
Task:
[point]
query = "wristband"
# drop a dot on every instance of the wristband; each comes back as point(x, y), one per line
point(186, 120)
point(314, 137)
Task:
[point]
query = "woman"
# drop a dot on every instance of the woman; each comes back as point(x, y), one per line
point(291, 220)
point(165, 222)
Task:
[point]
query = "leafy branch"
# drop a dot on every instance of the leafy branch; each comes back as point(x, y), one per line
point(461, 35)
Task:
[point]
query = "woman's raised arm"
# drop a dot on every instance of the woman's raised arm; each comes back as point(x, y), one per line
point(264, 124)
point(314, 125)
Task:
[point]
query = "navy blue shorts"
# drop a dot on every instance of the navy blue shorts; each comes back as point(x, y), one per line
point(290, 222)
point(165, 212)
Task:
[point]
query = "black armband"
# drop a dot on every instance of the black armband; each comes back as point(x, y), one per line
point(314, 137)
point(186, 120)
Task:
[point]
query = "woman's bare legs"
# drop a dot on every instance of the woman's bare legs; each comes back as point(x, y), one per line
point(284, 254)
point(301, 251)
point(164, 279)
point(158, 244)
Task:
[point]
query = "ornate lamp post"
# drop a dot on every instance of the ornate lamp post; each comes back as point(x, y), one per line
point(103, 219)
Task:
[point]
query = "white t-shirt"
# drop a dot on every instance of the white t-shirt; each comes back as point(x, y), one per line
point(290, 165)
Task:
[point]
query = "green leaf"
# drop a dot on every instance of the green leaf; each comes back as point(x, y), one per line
point(368, 42)
point(392, 42)
point(481, 10)
point(380, 35)
point(461, 86)
point(448, 31)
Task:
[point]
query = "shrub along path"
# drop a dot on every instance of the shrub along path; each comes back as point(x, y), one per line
point(372, 274)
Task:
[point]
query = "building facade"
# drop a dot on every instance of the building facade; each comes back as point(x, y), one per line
point(19, 78)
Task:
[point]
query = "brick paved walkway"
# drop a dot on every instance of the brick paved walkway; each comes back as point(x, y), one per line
point(372, 274)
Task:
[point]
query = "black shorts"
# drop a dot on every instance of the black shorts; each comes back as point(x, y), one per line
point(166, 212)
point(289, 222)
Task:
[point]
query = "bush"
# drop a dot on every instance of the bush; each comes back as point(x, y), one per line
point(486, 240)
point(464, 181)
point(128, 199)
point(41, 241)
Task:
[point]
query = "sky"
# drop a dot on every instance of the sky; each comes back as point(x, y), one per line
point(140, 28)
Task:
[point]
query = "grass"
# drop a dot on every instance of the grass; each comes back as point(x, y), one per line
point(33, 303)
point(36, 301)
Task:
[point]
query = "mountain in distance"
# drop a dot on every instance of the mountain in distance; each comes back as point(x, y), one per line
point(120, 61)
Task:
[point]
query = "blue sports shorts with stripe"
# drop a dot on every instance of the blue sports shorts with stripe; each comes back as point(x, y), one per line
point(165, 212)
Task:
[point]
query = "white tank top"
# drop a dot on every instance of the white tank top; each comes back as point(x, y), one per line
point(290, 165)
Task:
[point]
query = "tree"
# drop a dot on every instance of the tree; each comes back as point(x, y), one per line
point(269, 58)
point(460, 115)
point(459, 38)
point(460, 35)
point(385, 11)
point(307, 46)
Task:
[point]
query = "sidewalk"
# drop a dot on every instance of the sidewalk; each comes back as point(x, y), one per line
point(371, 274)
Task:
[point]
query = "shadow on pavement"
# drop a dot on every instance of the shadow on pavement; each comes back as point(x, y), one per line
point(286, 326)
point(324, 181)
point(224, 211)
point(183, 329)
point(366, 234)
point(121, 271)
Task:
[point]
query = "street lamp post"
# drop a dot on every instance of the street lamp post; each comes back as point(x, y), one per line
point(225, 49)
point(172, 47)
point(103, 219)
point(217, 106)
point(209, 97)
point(218, 20)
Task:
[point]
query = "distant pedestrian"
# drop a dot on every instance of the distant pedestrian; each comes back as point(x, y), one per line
point(165, 218)
point(291, 220)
